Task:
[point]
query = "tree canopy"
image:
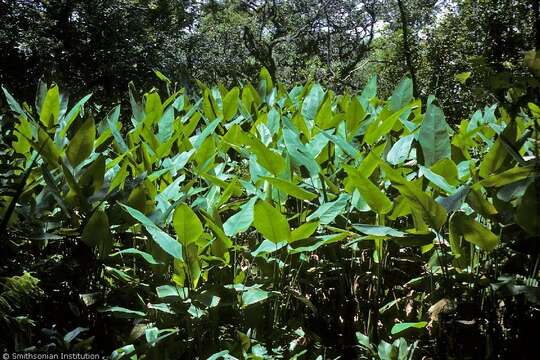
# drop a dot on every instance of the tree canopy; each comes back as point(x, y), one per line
point(103, 45)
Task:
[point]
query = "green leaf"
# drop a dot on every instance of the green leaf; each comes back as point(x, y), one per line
point(382, 125)
point(266, 79)
point(507, 177)
point(164, 240)
point(415, 239)
point(528, 211)
point(343, 144)
point(270, 222)
point(454, 202)
point(13, 104)
point(253, 296)
point(369, 91)
point(47, 148)
point(401, 95)
point(153, 108)
point(50, 109)
point(166, 125)
point(325, 118)
point(397, 328)
point(312, 102)
point(462, 77)
point(400, 150)
point(364, 341)
point(112, 121)
point(187, 225)
point(433, 136)
point(290, 188)
point(437, 180)
point(374, 197)
point(448, 170)
point(82, 144)
point(151, 334)
point(513, 190)
point(354, 116)
point(299, 153)
point(132, 251)
point(479, 202)
point(97, 233)
point(230, 104)
point(371, 161)
point(267, 158)
point(124, 312)
point(162, 77)
point(497, 156)
point(268, 247)
point(433, 213)
point(327, 212)
point(472, 231)
point(244, 341)
point(304, 231)
point(375, 230)
point(123, 352)
point(72, 115)
point(171, 291)
point(320, 241)
point(70, 336)
point(240, 221)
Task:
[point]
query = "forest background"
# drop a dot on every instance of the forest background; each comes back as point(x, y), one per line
point(468, 53)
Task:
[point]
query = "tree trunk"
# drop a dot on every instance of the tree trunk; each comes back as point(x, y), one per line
point(406, 46)
point(536, 9)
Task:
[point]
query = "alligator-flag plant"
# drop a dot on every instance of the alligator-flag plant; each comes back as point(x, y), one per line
point(261, 222)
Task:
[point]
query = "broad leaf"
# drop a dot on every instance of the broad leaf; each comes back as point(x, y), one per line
point(472, 231)
point(267, 158)
point(433, 136)
point(230, 104)
point(304, 231)
point(240, 221)
point(290, 188)
point(50, 109)
point(253, 296)
point(528, 211)
point(400, 150)
point(270, 222)
point(375, 198)
point(164, 240)
point(187, 225)
point(327, 212)
point(397, 328)
point(97, 233)
point(82, 144)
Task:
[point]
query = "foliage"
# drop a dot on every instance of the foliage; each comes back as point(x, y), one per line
point(261, 222)
point(485, 39)
point(99, 46)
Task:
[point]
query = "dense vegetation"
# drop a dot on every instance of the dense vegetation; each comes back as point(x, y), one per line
point(266, 222)
point(373, 192)
point(99, 46)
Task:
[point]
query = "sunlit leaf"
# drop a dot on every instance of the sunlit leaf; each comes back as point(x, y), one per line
point(270, 222)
